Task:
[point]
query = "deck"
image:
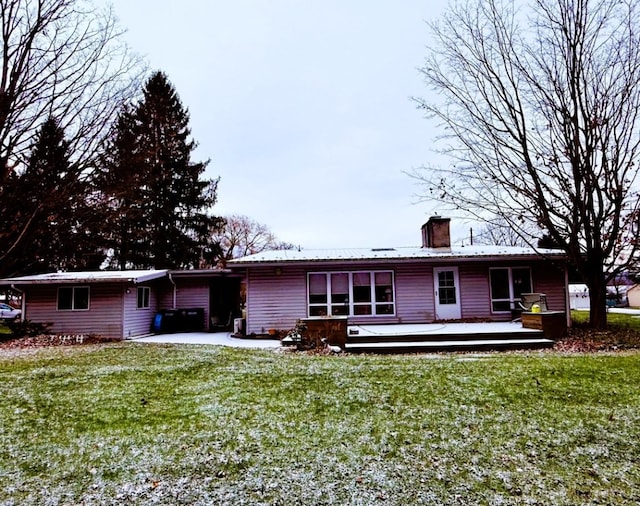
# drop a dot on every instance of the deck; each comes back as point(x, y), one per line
point(443, 337)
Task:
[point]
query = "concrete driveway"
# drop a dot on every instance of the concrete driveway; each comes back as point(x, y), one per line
point(216, 338)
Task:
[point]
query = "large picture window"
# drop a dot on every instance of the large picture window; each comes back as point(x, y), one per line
point(361, 293)
point(507, 286)
point(73, 298)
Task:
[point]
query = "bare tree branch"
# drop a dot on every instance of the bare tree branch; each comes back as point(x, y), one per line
point(62, 59)
point(540, 115)
point(244, 236)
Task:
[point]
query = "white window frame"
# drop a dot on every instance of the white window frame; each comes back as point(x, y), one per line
point(512, 297)
point(147, 290)
point(373, 304)
point(73, 298)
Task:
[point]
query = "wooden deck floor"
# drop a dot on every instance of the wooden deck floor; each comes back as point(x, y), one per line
point(443, 337)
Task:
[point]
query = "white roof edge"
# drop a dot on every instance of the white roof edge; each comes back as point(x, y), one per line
point(132, 276)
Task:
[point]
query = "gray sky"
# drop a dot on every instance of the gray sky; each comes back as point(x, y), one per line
point(303, 106)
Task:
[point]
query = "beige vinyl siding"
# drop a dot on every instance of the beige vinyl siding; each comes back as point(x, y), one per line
point(633, 295)
point(138, 322)
point(475, 294)
point(275, 302)
point(104, 317)
point(414, 293)
point(278, 300)
point(194, 293)
point(549, 279)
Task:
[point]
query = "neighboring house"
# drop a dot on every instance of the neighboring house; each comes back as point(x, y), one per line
point(633, 296)
point(123, 304)
point(435, 282)
point(579, 296)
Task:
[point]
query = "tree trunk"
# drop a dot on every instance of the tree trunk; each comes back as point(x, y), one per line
point(596, 281)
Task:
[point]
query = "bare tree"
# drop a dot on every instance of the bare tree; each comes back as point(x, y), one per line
point(498, 232)
point(60, 59)
point(242, 236)
point(540, 111)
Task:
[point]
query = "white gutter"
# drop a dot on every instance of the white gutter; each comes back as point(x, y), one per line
point(175, 289)
point(23, 302)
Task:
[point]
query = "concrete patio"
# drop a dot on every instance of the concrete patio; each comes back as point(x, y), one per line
point(212, 338)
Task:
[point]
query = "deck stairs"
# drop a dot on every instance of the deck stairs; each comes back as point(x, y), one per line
point(437, 337)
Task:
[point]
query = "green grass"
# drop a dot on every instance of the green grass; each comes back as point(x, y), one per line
point(145, 424)
point(616, 321)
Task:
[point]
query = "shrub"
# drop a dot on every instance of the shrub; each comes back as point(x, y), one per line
point(302, 339)
point(27, 328)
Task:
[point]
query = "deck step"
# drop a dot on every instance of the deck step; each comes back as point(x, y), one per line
point(444, 337)
point(438, 337)
point(396, 346)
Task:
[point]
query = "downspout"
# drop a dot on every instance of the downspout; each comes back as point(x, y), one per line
point(123, 321)
point(567, 296)
point(174, 290)
point(23, 302)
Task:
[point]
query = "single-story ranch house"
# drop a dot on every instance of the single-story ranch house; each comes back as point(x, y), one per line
point(125, 304)
point(435, 282)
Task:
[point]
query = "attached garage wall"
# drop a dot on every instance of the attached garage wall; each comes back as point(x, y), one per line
point(138, 322)
point(104, 316)
point(194, 293)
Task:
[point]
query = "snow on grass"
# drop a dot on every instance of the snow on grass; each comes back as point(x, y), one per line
point(128, 424)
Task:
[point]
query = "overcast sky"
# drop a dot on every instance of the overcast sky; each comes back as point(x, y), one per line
point(303, 107)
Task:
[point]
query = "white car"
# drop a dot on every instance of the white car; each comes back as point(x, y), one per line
point(8, 313)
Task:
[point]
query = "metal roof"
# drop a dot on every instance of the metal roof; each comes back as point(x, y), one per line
point(382, 254)
point(138, 276)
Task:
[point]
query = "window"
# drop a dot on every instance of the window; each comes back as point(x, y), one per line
point(384, 293)
point(340, 294)
point(318, 295)
point(73, 298)
point(507, 285)
point(363, 293)
point(446, 287)
point(144, 293)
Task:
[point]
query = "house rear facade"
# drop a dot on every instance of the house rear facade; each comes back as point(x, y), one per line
point(434, 282)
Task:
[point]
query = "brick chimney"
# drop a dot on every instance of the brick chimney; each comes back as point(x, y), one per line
point(435, 233)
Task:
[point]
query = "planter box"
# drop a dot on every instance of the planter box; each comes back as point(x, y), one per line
point(552, 323)
point(333, 328)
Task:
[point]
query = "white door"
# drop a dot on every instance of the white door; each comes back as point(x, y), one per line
point(447, 293)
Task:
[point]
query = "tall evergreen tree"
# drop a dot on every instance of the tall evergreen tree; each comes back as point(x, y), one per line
point(51, 195)
point(121, 180)
point(159, 205)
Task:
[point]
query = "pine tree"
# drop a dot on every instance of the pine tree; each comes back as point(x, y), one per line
point(160, 208)
point(51, 196)
point(121, 180)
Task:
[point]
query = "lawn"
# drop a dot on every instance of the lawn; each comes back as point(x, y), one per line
point(146, 424)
